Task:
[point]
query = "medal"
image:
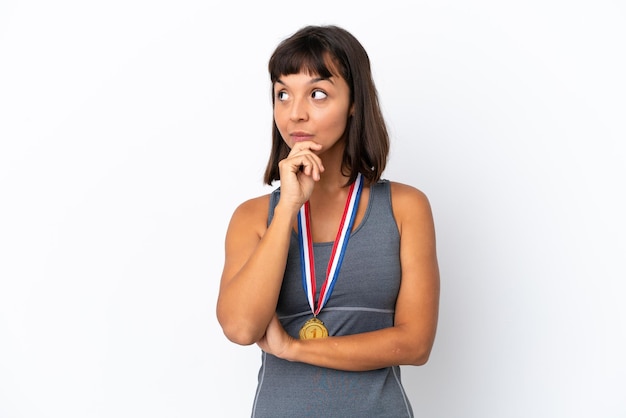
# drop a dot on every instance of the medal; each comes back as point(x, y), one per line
point(314, 328)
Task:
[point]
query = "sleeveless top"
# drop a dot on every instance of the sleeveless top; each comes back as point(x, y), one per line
point(363, 299)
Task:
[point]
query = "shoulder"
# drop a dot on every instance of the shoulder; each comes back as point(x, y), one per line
point(252, 214)
point(253, 206)
point(409, 203)
point(404, 194)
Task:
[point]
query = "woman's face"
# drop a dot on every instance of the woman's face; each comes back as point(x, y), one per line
point(310, 108)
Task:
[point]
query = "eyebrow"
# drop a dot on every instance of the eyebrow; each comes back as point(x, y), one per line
point(312, 81)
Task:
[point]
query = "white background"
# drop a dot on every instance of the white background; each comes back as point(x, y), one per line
point(130, 130)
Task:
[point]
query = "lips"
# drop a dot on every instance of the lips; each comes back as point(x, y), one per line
point(300, 136)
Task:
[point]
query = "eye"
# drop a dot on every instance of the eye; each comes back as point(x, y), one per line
point(318, 95)
point(282, 96)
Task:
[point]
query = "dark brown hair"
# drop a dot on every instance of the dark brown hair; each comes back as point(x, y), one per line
point(367, 139)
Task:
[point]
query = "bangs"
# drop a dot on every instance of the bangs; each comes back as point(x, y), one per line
point(309, 56)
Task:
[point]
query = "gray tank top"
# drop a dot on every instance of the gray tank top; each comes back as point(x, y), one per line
point(363, 299)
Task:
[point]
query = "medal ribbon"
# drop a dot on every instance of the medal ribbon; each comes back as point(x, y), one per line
point(338, 251)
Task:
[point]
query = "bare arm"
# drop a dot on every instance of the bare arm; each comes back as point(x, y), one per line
point(253, 271)
point(411, 338)
point(256, 255)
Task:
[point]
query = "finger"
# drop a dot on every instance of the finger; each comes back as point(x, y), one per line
point(311, 167)
point(305, 146)
point(304, 163)
point(314, 160)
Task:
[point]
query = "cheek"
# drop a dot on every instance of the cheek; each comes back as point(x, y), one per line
point(280, 122)
point(337, 123)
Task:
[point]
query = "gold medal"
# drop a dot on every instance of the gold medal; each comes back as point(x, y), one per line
point(313, 328)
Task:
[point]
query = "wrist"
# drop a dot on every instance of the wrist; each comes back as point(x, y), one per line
point(291, 350)
point(287, 211)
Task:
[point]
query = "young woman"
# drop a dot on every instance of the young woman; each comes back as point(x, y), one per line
point(334, 274)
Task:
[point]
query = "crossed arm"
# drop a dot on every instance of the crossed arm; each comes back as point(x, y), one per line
point(253, 270)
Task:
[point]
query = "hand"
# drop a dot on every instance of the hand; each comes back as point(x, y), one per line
point(298, 173)
point(276, 341)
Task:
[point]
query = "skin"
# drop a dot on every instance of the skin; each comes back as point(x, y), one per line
point(311, 114)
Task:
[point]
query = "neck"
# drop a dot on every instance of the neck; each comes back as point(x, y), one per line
point(332, 179)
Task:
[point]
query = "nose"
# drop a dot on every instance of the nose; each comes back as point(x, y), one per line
point(299, 110)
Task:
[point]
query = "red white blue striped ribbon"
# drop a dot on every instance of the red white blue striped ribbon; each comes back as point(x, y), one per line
point(339, 248)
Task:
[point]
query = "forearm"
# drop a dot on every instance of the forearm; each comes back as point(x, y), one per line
point(359, 352)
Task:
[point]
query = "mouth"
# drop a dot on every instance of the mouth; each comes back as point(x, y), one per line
point(300, 136)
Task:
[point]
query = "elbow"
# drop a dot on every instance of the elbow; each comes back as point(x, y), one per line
point(420, 359)
point(239, 336)
point(239, 332)
point(418, 354)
